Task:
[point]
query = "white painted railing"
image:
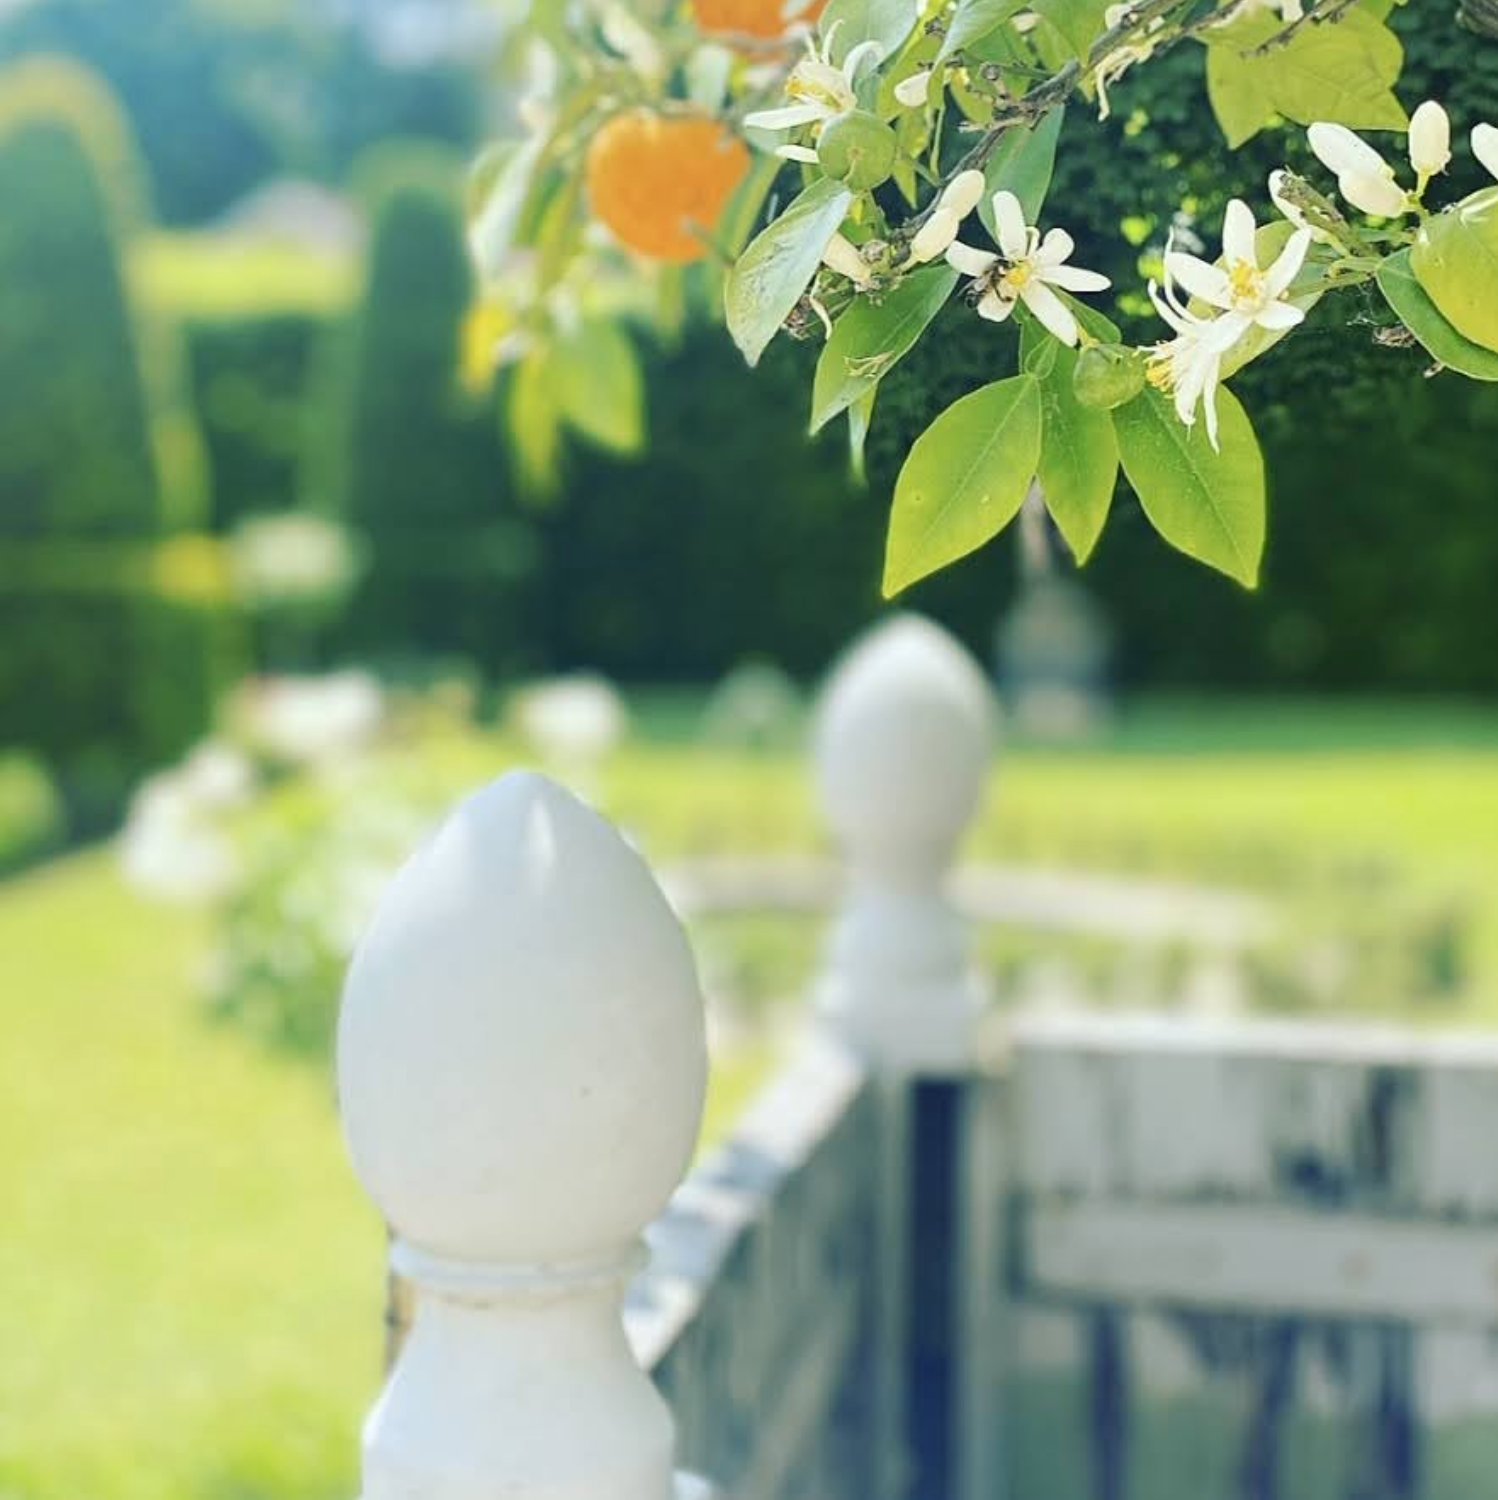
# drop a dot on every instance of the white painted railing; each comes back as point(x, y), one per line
point(1073, 1258)
point(521, 1074)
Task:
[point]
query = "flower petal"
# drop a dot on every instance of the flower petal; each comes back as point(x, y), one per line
point(1485, 146)
point(787, 117)
point(865, 52)
point(1051, 310)
point(1209, 400)
point(968, 261)
point(1238, 233)
point(1430, 139)
point(1278, 316)
point(913, 92)
point(965, 192)
point(1056, 247)
point(1288, 263)
point(1210, 283)
point(796, 153)
point(933, 237)
point(1341, 151)
point(843, 257)
point(994, 307)
point(1075, 279)
point(1010, 219)
point(1166, 311)
point(1374, 193)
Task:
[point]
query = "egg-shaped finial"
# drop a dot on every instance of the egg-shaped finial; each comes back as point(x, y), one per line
point(521, 1057)
point(905, 734)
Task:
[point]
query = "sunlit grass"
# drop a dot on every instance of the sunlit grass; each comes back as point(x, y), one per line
point(192, 1281)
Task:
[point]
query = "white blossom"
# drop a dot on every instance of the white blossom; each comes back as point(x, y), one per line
point(914, 91)
point(1189, 366)
point(819, 90)
point(577, 719)
point(1244, 291)
point(1026, 270)
point(958, 199)
point(1121, 58)
point(314, 721)
point(1430, 140)
point(1485, 146)
point(1291, 211)
point(1364, 178)
point(842, 256)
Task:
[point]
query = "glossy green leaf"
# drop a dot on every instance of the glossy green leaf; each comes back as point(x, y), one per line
point(599, 388)
point(1023, 163)
point(973, 20)
point(887, 22)
point(1456, 261)
point(1081, 22)
point(770, 276)
point(964, 481)
point(1236, 87)
point(1208, 504)
point(860, 418)
point(1413, 307)
point(1078, 468)
point(1342, 72)
point(872, 337)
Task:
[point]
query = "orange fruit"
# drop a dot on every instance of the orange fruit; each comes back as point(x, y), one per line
point(652, 177)
point(762, 18)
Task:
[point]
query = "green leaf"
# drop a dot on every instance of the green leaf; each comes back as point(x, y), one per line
point(1342, 71)
point(1022, 162)
point(1208, 504)
point(1078, 468)
point(770, 276)
point(1236, 87)
point(1413, 307)
point(860, 418)
point(872, 337)
point(964, 481)
point(975, 19)
point(887, 22)
point(1456, 260)
point(746, 205)
point(599, 389)
point(535, 423)
point(1081, 22)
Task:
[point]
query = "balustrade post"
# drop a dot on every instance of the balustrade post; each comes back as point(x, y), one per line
point(905, 739)
point(521, 1068)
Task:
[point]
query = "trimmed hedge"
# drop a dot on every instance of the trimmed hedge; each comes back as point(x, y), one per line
point(113, 630)
point(406, 460)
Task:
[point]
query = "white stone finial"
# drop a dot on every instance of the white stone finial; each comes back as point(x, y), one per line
point(521, 1068)
point(905, 737)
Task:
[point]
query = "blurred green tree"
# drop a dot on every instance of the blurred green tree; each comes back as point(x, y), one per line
point(106, 594)
point(405, 457)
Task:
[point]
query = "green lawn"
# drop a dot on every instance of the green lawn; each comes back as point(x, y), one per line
point(191, 1279)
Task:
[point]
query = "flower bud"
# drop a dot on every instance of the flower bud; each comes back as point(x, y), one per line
point(1107, 375)
point(1430, 139)
point(1485, 146)
point(857, 148)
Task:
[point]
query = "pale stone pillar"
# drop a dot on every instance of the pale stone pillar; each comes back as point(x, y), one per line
point(521, 1070)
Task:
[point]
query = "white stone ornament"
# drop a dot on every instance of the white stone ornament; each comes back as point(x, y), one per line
point(905, 738)
point(521, 1068)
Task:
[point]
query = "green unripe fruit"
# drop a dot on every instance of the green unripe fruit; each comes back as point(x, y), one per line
point(857, 148)
point(1107, 375)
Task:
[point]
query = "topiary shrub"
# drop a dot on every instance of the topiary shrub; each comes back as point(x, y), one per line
point(408, 461)
point(113, 637)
